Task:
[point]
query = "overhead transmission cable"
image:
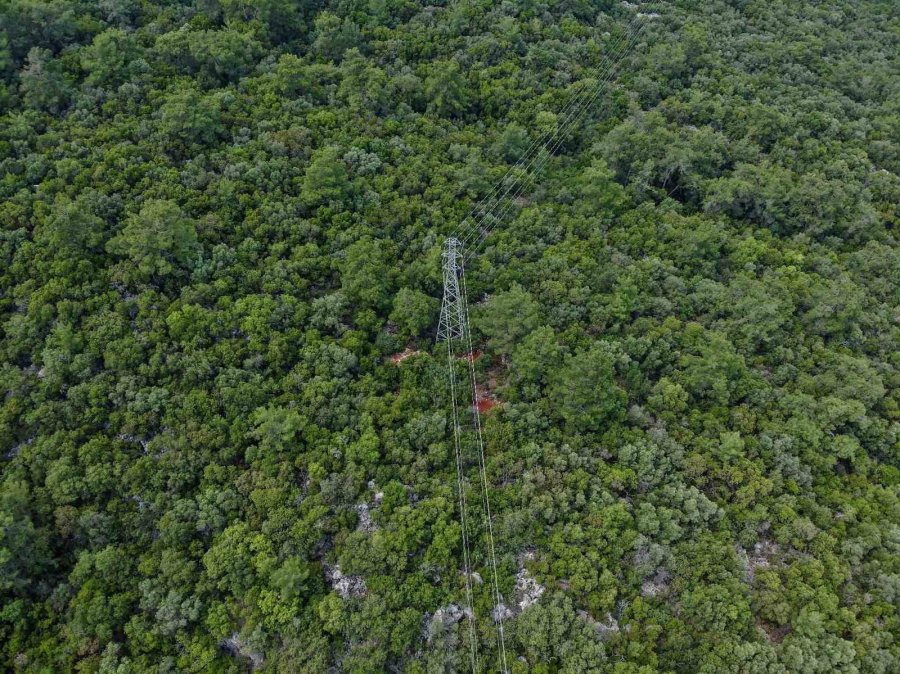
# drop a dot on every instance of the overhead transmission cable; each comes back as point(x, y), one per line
point(541, 150)
point(499, 608)
point(478, 232)
point(571, 113)
point(474, 229)
point(476, 238)
point(539, 142)
point(467, 570)
point(533, 149)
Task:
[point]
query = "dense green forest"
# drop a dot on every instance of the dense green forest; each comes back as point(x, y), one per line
point(220, 219)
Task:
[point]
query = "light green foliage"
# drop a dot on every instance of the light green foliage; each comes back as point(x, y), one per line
point(600, 194)
point(446, 89)
point(535, 358)
point(334, 36)
point(743, 658)
point(366, 278)
point(212, 56)
point(22, 547)
point(229, 560)
point(292, 579)
point(713, 370)
point(555, 638)
point(5, 55)
point(109, 60)
point(73, 227)
point(275, 21)
point(187, 118)
point(513, 143)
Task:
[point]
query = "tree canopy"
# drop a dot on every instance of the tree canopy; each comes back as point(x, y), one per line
point(225, 437)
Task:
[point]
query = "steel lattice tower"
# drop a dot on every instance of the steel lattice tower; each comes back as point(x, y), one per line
point(452, 322)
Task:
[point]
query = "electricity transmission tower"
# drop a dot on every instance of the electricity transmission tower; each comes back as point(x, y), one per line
point(454, 326)
point(451, 325)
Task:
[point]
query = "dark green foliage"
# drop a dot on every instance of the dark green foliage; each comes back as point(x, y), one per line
point(156, 242)
point(507, 317)
point(224, 427)
point(42, 82)
point(414, 311)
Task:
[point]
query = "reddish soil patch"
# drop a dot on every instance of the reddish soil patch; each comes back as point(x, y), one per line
point(403, 355)
point(486, 403)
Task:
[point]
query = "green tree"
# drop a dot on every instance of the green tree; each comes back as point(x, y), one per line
point(506, 317)
point(23, 547)
point(513, 143)
point(715, 371)
point(109, 59)
point(585, 391)
point(43, 82)
point(366, 273)
point(279, 20)
point(326, 178)
point(158, 241)
point(187, 118)
point(73, 227)
point(334, 36)
point(534, 359)
point(554, 637)
point(446, 89)
point(413, 311)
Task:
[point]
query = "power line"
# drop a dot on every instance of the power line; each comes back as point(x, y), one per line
point(454, 325)
point(454, 320)
point(536, 145)
point(619, 46)
point(540, 151)
point(451, 326)
point(533, 150)
point(476, 416)
point(478, 233)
